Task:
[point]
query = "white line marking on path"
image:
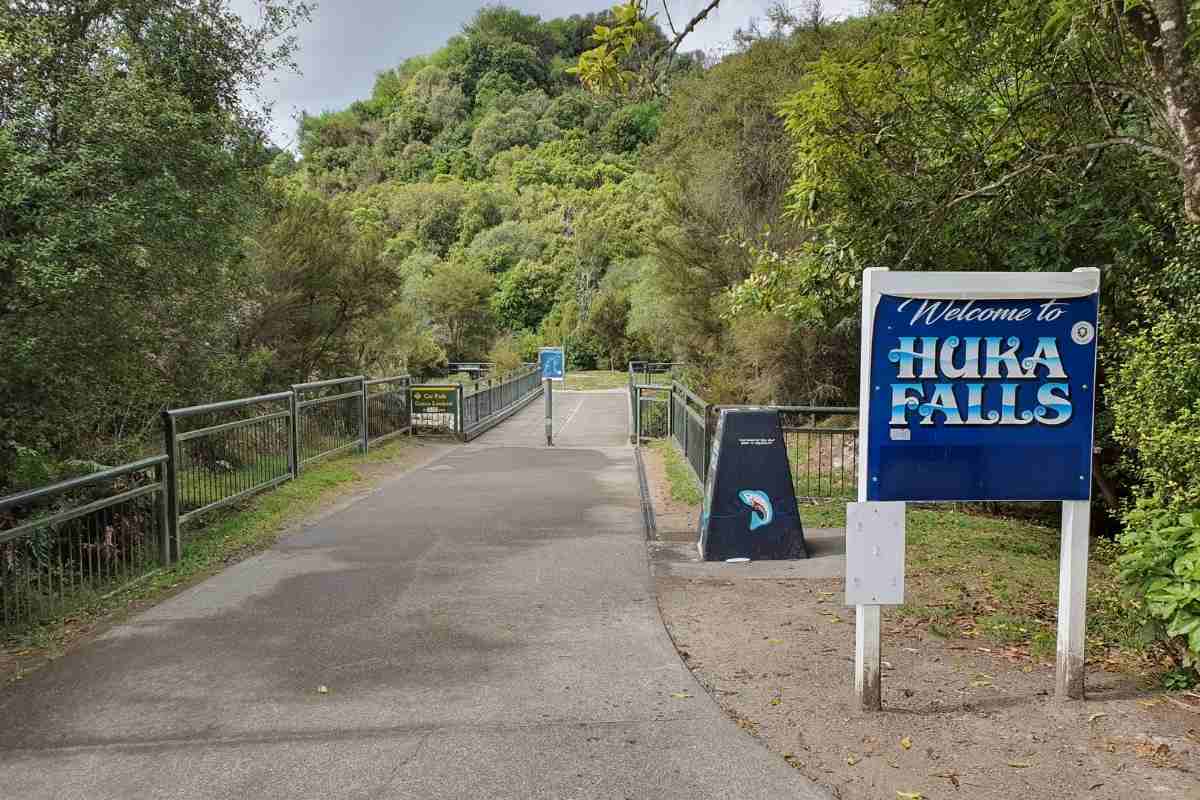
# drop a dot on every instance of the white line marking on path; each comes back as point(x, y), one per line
point(571, 417)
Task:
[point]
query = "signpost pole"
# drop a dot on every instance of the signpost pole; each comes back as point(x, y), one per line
point(867, 684)
point(549, 391)
point(868, 688)
point(1072, 599)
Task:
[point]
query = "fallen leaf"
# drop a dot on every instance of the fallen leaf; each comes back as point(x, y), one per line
point(1095, 717)
point(680, 695)
point(1150, 703)
point(776, 700)
point(906, 743)
point(774, 641)
point(1020, 764)
point(322, 690)
point(980, 684)
point(909, 795)
point(853, 759)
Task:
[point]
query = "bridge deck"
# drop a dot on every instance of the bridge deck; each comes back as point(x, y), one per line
point(486, 627)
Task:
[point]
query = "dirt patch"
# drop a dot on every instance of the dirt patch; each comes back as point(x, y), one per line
point(673, 518)
point(777, 655)
point(964, 718)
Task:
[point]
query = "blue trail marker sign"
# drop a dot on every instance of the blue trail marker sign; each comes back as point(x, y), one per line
point(552, 362)
point(975, 386)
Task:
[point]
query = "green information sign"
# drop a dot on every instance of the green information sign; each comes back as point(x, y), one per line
point(433, 400)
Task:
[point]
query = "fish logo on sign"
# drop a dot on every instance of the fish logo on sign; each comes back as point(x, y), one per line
point(761, 511)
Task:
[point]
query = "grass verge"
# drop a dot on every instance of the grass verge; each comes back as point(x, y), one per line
point(592, 380)
point(223, 538)
point(995, 579)
point(684, 488)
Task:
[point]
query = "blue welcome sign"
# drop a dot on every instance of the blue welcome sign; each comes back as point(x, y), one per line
point(552, 363)
point(980, 386)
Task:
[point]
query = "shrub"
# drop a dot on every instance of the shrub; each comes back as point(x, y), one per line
point(505, 354)
point(1162, 563)
point(1156, 408)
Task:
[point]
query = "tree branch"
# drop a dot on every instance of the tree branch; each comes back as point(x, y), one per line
point(670, 22)
point(1128, 141)
point(672, 47)
point(990, 189)
point(691, 26)
point(1136, 144)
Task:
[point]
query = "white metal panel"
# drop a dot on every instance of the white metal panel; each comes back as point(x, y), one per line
point(875, 553)
point(987, 285)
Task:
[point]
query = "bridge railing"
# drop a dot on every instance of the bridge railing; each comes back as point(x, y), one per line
point(491, 400)
point(821, 441)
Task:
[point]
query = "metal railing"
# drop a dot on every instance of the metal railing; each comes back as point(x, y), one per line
point(219, 453)
point(822, 446)
point(652, 412)
point(652, 373)
point(646, 373)
point(474, 368)
point(65, 546)
point(821, 441)
point(487, 401)
point(110, 527)
point(691, 429)
point(330, 417)
point(389, 412)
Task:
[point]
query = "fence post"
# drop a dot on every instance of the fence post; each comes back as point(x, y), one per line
point(458, 405)
point(408, 392)
point(633, 406)
point(707, 443)
point(365, 427)
point(671, 412)
point(160, 511)
point(294, 434)
point(686, 427)
point(171, 551)
point(637, 416)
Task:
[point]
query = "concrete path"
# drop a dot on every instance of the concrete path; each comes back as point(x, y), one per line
point(486, 627)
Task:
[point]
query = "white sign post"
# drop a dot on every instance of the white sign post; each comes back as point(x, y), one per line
point(983, 388)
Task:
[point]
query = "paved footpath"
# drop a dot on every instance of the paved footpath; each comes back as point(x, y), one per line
point(486, 627)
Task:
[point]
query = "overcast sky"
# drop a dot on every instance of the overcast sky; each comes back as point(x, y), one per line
point(348, 42)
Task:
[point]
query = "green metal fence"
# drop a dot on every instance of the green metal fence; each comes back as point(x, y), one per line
point(486, 402)
point(331, 417)
point(822, 441)
point(63, 544)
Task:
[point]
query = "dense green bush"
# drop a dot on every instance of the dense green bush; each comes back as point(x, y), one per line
point(1161, 562)
point(1155, 407)
point(1155, 401)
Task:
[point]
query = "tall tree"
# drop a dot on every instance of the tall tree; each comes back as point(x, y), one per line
point(130, 164)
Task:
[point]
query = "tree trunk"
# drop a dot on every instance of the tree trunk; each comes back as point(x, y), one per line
point(1163, 30)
